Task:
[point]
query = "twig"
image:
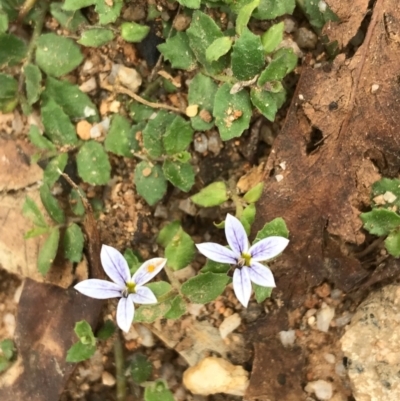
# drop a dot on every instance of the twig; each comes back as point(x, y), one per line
point(121, 89)
point(120, 368)
point(24, 10)
point(374, 244)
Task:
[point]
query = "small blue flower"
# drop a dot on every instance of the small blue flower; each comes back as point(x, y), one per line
point(129, 289)
point(246, 258)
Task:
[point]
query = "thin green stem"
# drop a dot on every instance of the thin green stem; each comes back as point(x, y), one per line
point(235, 198)
point(120, 368)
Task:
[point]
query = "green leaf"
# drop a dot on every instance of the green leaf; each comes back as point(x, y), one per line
point(215, 267)
point(180, 250)
point(232, 112)
point(141, 368)
point(8, 93)
point(120, 138)
point(96, 37)
point(33, 78)
point(4, 364)
point(133, 32)
point(159, 288)
point(205, 287)
point(276, 227)
point(380, 221)
point(57, 124)
point(283, 62)
point(76, 202)
point(140, 112)
point(267, 102)
point(71, 99)
point(247, 56)
point(51, 204)
point(178, 308)
point(317, 17)
point(157, 391)
point(389, 189)
point(181, 175)
point(73, 243)
point(270, 9)
point(203, 31)
point(261, 293)
point(133, 261)
point(73, 5)
point(84, 332)
point(248, 216)
point(71, 20)
point(80, 352)
point(150, 182)
point(212, 195)
point(13, 49)
point(392, 243)
point(36, 232)
point(167, 233)
point(150, 313)
point(152, 134)
point(253, 195)
point(48, 251)
point(244, 15)
point(106, 331)
point(178, 52)
point(218, 48)
point(273, 37)
point(190, 3)
point(7, 348)
point(38, 139)
point(202, 90)
point(51, 173)
point(108, 14)
point(31, 211)
point(93, 164)
point(3, 21)
point(178, 136)
point(57, 55)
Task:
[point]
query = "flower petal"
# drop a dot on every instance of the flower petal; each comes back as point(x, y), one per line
point(217, 253)
point(268, 248)
point(99, 289)
point(242, 285)
point(148, 270)
point(236, 235)
point(125, 313)
point(115, 265)
point(261, 275)
point(143, 295)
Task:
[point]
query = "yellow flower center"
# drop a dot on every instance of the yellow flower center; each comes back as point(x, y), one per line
point(245, 259)
point(130, 289)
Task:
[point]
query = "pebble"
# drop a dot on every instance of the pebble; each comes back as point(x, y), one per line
point(230, 324)
point(146, 336)
point(9, 323)
point(134, 13)
point(187, 206)
point(18, 292)
point(336, 293)
point(321, 388)
point(214, 143)
point(127, 77)
point(108, 379)
point(389, 197)
point(83, 128)
point(344, 319)
point(100, 129)
point(330, 358)
point(181, 22)
point(324, 317)
point(251, 313)
point(161, 212)
point(216, 375)
point(289, 24)
point(192, 110)
point(374, 88)
point(306, 38)
point(195, 309)
point(88, 85)
point(287, 338)
point(200, 143)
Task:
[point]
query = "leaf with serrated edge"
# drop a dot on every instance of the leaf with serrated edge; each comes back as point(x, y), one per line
point(380, 221)
point(276, 227)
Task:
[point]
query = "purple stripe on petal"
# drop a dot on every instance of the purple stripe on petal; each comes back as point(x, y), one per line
point(242, 285)
point(99, 289)
point(217, 253)
point(143, 295)
point(261, 275)
point(148, 270)
point(125, 313)
point(236, 235)
point(115, 265)
point(268, 248)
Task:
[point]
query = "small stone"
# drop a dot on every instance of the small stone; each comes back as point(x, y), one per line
point(216, 375)
point(88, 85)
point(305, 38)
point(330, 358)
point(323, 290)
point(205, 115)
point(87, 66)
point(336, 293)
point(344, 319)
point(195, 309)
point(146, 336)
point(287, 338)
point(279, 177)
point(187, 206)
point(230, 324)
point(134, 13)
point(83, 130)
point(389, 197)
point(324, 317)
point(374, 88)
point(161, 212)
point(192, 110)
point(18, 292)
point(214, 143)
point(322, 6)
point(321, 388)
point(181, 22)
point(125, 76)
point(200, 143)
point(100, 129)
point(114, 106)
point(108, 379)
point(289, 25)
point(9, 324)
point(311, 321)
